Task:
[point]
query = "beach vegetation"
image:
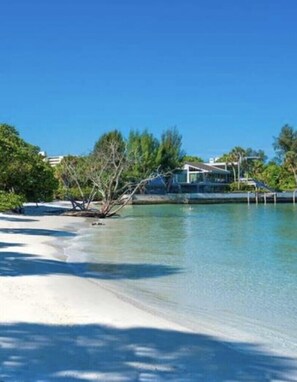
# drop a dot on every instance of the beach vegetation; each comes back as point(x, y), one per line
point(75, 184)
point(244, 162)
point(286, 141)
point(285, 146)
point(10, 202)
point(142, 151)
point(170, 153)
point(117, 168)
point(243, 187)
point(22, 169)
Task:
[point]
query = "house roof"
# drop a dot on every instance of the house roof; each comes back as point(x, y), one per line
point(207, 168)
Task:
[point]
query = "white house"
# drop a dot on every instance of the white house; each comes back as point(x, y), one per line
point(55, 160)
point(202, 177)
point(52, 160)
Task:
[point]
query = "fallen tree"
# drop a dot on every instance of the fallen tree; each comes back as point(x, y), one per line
point(104, 175)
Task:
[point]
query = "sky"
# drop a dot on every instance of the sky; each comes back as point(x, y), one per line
point(222, 72)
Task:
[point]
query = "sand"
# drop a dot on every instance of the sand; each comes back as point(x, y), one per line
point(56, 324)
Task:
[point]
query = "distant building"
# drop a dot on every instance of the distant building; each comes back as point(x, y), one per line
point(52, 160)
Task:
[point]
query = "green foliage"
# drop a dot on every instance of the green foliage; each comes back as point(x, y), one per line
point(170, 154)
point(116, 167)
point(109, 165)
point(244, 162)
point(276, 177)
point(271, 175)
point(73, 192)
point(74, 175)
point(252, 163)
point(242, 187)
point(256, 155)
point(110, 139)
point(192, 159)
point(286, 141)
point(142, 154)
point(286, 147)
point(10, 201)
point(22, 169)
point(73, 170)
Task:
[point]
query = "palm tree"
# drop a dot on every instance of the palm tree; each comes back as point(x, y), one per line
point(237, 155)
point(291, 162)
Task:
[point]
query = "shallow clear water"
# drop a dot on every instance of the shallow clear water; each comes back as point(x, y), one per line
point(232, 267)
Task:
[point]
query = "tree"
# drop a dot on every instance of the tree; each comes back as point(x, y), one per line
point(192, 159)
point(110, 172)
point(286, 147)
point(255, 154)
point(10, 201)
point(291, 163)
point(115, 170)
point(247, 161)
point(113, 139)
point(271, 175)
point(170, 154)
point(106, 173)
point(73, 174)
point(142, 150)
point(108, 164)
point(286, 141)
point(253, 162)
point(22, 170)
point(234, 159)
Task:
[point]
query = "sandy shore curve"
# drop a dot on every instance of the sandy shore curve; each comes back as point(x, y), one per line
point(57, 325)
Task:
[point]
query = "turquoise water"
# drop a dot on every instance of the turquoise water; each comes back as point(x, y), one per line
point(229, 267)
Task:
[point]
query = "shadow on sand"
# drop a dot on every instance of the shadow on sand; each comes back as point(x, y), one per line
point(37, 231)
point(17, 219)
point(35, 352)
point(18, 264)
point(6, 245)
point(45, 209)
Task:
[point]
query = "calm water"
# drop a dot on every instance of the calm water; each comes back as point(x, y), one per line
point(232, 267)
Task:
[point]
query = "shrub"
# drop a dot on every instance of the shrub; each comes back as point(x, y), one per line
point(242, 187)
point(10, 202)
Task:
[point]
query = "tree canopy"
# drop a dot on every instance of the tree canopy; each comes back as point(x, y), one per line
point(22, 170)
point(170, 154)
point(286, 147)
point(192, 159)
point(142, 150)
point(117, 167)
point(286, 141)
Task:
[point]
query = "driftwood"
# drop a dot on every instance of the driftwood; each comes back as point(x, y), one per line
point(85, 214)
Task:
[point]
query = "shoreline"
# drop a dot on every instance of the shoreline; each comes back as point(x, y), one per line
point(242, 197)
point(68, 327)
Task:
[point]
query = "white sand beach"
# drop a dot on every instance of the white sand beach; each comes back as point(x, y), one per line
point(58, 325)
